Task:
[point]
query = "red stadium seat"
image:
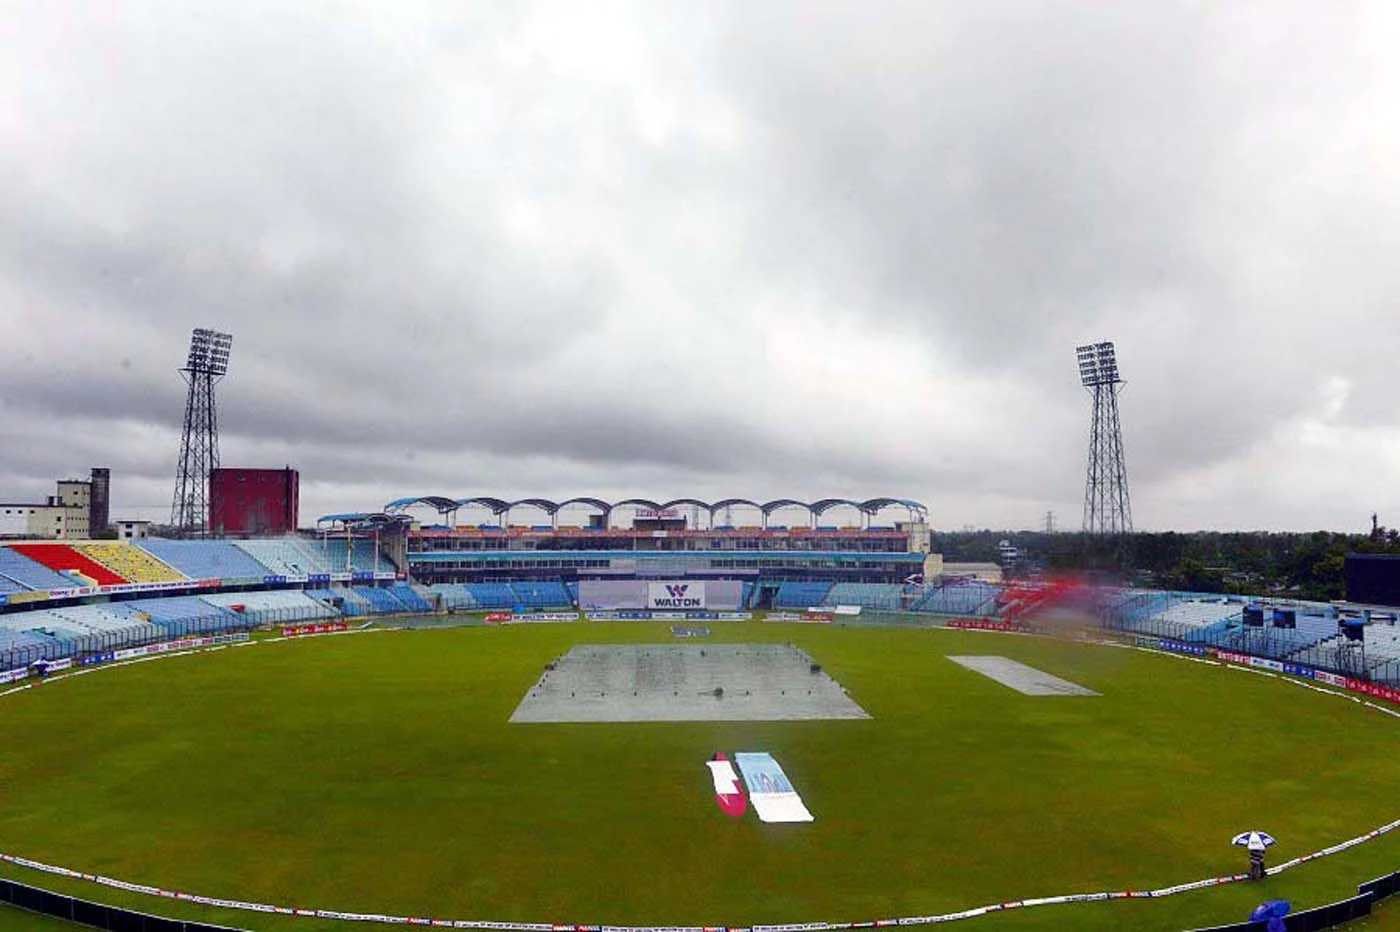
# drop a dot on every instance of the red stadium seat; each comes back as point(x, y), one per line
point(62, 557)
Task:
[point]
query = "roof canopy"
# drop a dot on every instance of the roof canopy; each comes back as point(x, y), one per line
point(498, 506)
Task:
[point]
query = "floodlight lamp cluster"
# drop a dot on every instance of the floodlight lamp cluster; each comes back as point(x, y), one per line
point(209, 351)
point(1098, 364)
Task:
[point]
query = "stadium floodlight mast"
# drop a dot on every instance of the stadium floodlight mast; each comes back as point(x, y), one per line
point(206, 364)
point(1107, 509)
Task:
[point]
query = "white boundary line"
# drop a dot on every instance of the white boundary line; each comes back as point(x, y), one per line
point(781, 927)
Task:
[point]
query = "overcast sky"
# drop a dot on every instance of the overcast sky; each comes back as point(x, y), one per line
point(670, 249)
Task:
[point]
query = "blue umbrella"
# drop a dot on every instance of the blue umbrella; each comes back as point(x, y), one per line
point(1255, 840)
point(1273, 911)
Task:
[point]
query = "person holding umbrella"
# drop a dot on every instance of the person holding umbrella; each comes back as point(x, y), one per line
point(1255, 842)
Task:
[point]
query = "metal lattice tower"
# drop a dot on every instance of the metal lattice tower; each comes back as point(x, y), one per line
point(1107, 509)
point(199, 443)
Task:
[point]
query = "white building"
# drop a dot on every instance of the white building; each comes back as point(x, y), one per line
point(131, 530)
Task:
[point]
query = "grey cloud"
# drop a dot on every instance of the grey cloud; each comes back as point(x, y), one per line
point(518, 247)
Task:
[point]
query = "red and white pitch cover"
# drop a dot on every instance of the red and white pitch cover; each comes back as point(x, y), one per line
point(729, 793)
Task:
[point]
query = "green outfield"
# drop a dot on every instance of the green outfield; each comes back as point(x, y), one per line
point(377, 772)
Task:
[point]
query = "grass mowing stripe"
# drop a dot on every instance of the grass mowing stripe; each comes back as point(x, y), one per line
point(878, 809)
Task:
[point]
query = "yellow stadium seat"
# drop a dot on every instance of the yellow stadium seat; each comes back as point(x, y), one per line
point(131, 563)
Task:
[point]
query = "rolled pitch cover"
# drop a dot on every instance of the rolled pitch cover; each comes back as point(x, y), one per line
point(729, 793)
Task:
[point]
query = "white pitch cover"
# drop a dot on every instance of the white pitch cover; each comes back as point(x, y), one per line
point(726, 780)
point(770, 791)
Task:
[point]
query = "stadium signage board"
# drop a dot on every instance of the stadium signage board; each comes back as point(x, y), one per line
point(125, 587)
point(675, 594)
point(11, 676)
point(803, 618)
point(644, 615)
point(1377, 690)
point(38, 595)
point(165, 647)
point(537, 617)
point(297, 631)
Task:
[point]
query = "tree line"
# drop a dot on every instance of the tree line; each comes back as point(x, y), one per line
point(1307, 565)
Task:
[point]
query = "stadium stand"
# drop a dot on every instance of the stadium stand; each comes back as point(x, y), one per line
point(1383, 642)
point(331, 552)
point(205, 559)
point(352, 603)
point(274, 607)
point(103, 629)
point(283, 556)
point(131, 563)
point(492, 595)
point(381, 601)
point(184, 615)
point(344, 600)
point(410, 599)
point(63, 559)
point(960, 598)
point(801, 594)
point(540, 595)
point(1279, 643)
point(456, 597)
point(18, 570)
point(875, 597)
point(27, 646)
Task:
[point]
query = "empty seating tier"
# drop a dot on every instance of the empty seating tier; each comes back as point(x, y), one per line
point(333, 552)
point(959, 598)
point(133, 563)
point(272, 607)
point(20, 572)
point(64, 559)
point(284, 556)
point(410, 599)
point(801, 594)
point(878, 597)
point(205, 559)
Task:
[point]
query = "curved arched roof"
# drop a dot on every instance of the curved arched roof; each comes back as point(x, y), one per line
point(685, 501)
point(358, 520)
point(543, 504)
point(499, 506)
point(643, 502)
point(875, 504)
point(585, 500)
point(769, 507)
point(726, 502)
point(828, 503)
point(442, 504)
point(496, 505)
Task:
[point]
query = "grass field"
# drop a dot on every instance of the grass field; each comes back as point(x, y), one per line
point(377, 772)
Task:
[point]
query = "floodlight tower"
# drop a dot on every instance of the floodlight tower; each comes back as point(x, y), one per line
point(1106, 506)
point(199, 443)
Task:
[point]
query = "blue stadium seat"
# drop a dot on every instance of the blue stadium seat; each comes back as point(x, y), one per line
point(959, 598)
point(492, 595)
point(801, 594)
point(410, 599)
point(205, 559)
point(878, 597)
point(18, 569)
point(540, 595)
